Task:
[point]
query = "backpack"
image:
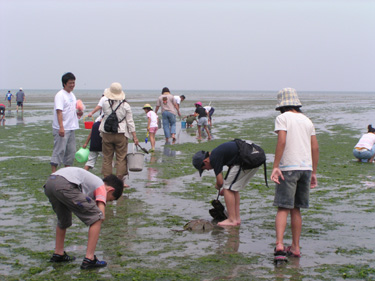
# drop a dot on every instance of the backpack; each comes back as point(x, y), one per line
point(251, 156)
point(112, 122)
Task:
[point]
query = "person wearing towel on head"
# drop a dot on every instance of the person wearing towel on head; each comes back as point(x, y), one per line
point(117, 142)
point(364, 150)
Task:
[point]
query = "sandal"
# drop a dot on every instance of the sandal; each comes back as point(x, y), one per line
point(280, 256)
point(95, 263)
point(291, 254)
point(61, 258)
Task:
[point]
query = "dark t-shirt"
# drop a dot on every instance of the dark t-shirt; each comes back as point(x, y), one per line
point(201, 111)
point(96, 139)
point(225, 154)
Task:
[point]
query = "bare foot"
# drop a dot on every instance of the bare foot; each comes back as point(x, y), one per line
point(227, 222)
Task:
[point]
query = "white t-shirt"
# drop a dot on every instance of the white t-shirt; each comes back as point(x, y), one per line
point(207, 107)
point(177, 99)
point(367, 141)
point(154, 118)
point(102, 100)
point(297, 152)
point(66, 102)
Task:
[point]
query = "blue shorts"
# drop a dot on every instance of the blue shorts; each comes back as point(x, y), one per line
point(293, 191)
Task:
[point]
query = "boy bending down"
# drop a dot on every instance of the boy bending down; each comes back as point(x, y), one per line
point(76, 190)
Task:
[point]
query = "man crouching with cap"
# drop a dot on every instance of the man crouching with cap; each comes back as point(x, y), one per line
point(226, 154)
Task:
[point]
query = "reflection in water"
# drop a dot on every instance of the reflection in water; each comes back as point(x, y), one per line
point(20, 119)
point(151, 171)
point(228, 239)
point(168, 151)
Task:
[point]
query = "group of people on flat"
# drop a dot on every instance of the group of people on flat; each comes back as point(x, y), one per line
point(20, 99)
point(75, 190)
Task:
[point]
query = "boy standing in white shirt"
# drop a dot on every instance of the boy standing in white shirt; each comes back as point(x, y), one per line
point(294, 169)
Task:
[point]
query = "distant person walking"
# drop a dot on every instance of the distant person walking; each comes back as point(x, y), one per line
point(8, 97)
point(20, 98)
point(152, 124)
point(168, 108)
point(364, 150)
point(294, 169)
point(65, 122)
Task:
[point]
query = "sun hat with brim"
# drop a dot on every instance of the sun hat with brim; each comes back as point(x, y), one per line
point(147, 106)
point(198, 160)
point(287, 97)
point(114, 92)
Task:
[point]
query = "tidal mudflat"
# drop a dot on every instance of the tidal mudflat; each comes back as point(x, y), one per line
point(137, 239)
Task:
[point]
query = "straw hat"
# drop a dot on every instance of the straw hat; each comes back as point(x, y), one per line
point(147, 106)
point(114, 92)
point(287, 97)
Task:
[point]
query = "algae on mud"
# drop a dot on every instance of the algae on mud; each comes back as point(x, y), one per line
point(337, 235)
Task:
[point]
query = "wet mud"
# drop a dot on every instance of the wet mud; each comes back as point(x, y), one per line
point(136, 239)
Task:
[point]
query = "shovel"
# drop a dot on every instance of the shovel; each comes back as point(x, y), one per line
point(146, 139)
point(143, 149)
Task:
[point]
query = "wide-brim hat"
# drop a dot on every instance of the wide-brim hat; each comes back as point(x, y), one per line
point(114, 92)
point(287, 97)
point(198, 160)
point(147, 106)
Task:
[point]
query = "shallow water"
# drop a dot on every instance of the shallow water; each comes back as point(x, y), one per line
point(338, 228)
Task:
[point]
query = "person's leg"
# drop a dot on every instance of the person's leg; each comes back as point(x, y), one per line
point(172, 121)
point(296, 222)
point(230, 202)
point(121, 149)
point(59, 147)
point(60, 238)
point(70, 150)
point(166, 128)
point(94, 232)
point(208, 132)
point(108, 151)
point(280, 225)
point(199, 132)
point(152, 140)
point(237, 207)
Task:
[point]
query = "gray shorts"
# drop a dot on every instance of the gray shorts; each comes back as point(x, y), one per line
point(66, 197)
point(236, 181)
point(203, 121)
point(93, 156)
point(293, 191)
point(64, 148)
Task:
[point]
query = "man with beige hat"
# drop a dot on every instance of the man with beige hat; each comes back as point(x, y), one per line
point(118, 141)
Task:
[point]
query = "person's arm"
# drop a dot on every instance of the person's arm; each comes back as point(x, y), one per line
point(98, 107)
point(156, 109)
point(136, 142)
point(315, 160)
point(101, 207)
point(60, 121)
point(219, 181)
point(87, 140)
point(148, 123)
point(276, 172)
point(177, 108)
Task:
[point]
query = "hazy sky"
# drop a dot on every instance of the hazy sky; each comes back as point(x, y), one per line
point(189, 45)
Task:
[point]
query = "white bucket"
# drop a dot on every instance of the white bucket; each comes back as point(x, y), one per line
point(135, 161)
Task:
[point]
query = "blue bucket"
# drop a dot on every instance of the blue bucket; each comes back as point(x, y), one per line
point(183, 124)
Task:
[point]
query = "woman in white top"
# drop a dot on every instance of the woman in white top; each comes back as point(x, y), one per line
point(364, 150)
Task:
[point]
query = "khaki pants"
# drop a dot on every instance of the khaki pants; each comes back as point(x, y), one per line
point(112, 143)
